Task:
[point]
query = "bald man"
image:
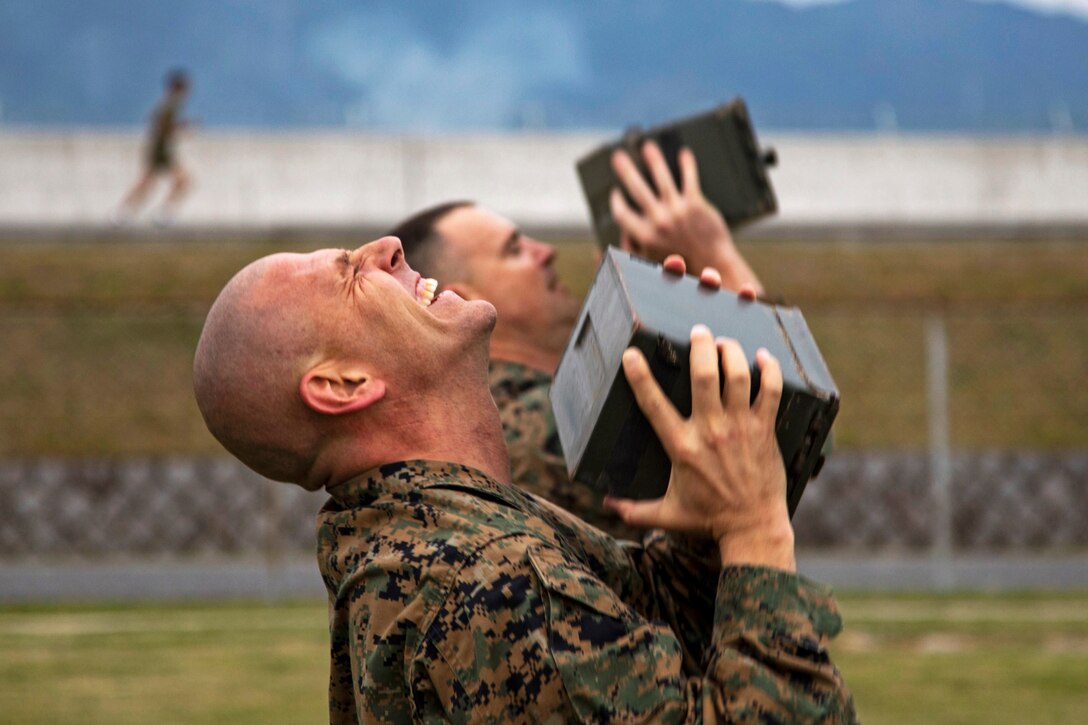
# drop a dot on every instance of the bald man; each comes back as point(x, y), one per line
point(482, 255)
point(456, 596)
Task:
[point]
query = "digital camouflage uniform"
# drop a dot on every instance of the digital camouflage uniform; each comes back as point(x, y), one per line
point(456, 598)
point(536, 458)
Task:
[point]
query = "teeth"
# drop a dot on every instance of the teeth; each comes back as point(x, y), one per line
point(427, 286)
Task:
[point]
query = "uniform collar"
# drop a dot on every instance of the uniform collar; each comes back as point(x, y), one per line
point(406, 477)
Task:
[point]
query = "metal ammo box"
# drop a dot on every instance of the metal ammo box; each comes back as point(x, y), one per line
point(608, 442)
point(732, 169)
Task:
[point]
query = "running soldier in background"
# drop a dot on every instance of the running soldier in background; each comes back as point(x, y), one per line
point(454, 596)
point(481, 255)
point(160, 155)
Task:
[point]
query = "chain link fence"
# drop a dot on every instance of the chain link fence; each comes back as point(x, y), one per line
point(1014, 502)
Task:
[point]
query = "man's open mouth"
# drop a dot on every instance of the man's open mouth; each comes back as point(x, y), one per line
point(425, 289)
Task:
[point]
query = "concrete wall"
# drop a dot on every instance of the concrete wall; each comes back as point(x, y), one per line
point(342, 178)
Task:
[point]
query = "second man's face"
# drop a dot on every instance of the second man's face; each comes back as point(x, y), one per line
point(512, 271)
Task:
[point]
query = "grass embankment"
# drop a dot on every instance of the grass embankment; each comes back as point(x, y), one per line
point(98, 339)
point(907, 658)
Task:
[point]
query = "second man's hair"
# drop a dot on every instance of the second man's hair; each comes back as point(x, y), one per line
point(424, 247)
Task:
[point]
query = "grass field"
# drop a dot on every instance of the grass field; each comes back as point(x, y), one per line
point(98, 338)
point(908, 659)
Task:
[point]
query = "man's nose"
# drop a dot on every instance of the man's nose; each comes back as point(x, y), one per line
point(386, 253)
point(543, 253)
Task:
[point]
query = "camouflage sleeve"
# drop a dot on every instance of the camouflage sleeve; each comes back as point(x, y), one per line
point(536, 456)
point(676, 577)
point(668, 576)
point(529, 633)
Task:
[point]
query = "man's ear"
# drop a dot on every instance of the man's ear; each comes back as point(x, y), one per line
point(336, 387)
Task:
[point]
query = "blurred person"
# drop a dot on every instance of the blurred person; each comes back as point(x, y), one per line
point(160, 155)
point(481, 255)
point(456, 596)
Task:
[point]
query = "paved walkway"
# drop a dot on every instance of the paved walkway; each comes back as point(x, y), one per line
point(256, 579)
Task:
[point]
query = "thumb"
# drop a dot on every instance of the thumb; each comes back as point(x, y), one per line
point(637, 513)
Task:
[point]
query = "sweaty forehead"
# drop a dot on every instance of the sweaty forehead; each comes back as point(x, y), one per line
point(284, 273)
point(287, 266)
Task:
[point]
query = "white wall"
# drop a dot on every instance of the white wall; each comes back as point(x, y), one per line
point(341, 178)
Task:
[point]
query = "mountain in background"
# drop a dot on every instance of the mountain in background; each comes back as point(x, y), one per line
point(427, 66)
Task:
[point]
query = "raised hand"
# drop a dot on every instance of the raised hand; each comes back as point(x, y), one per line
point(728, 480)
point(675, 221)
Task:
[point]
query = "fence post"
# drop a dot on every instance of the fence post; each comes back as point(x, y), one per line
point(940, 457)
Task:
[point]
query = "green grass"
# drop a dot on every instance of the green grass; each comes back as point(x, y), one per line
point(966, 659)
point(98, 339)
point(162, 664)
point(909, 658)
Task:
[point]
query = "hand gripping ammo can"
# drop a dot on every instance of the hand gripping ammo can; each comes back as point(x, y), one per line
point(608, 442)
point(732, 167)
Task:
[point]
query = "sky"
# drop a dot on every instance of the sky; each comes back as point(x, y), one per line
point(423, 65)
point(1072, 7)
